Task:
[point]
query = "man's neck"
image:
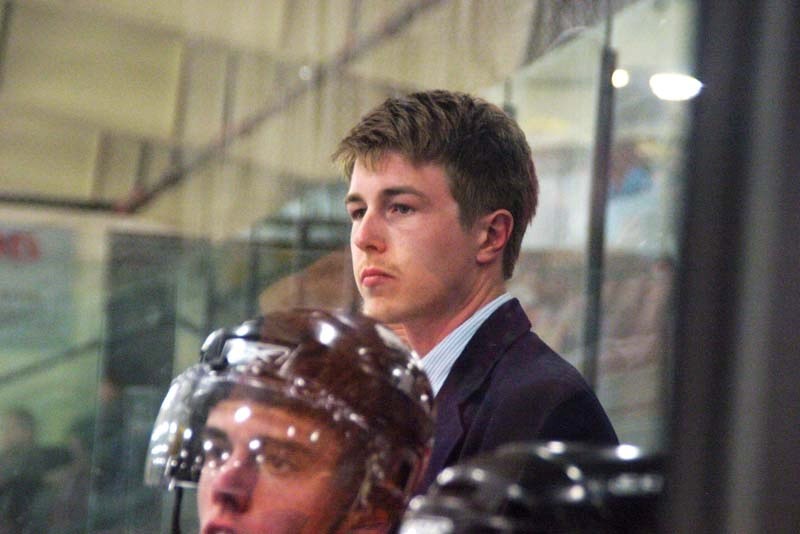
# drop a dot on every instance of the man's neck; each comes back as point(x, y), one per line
point(427, 331)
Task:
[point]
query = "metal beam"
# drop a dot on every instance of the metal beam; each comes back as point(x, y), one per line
point(599, 200)
point(5, 31)
point(46, 201)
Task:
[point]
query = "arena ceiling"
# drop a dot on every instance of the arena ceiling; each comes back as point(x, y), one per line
point(118, 105)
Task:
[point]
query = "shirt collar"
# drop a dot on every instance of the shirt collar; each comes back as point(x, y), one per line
point(438, 362)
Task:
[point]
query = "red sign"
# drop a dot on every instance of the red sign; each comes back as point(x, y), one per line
point(19, 246)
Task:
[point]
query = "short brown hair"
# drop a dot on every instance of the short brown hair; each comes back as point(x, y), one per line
point(482, 150)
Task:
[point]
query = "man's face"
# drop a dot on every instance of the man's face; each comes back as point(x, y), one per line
point(412, 259)
point(268, 471)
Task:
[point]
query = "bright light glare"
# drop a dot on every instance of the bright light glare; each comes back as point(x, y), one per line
point(577, 493)
point(478, 474)
point(327, 334)
point(627, 452)
point(620, 78)
point(242, 414)
point(427, 525)
point(674, 87)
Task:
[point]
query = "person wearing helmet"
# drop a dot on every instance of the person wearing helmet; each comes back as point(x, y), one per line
point(540, 487)
point(296, 422)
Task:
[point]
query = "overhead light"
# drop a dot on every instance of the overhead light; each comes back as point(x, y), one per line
point(620, 78)
point(674, 87)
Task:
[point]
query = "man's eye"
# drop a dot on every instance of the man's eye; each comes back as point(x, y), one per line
point(402, 209)
point(215, 452)
point(276, 463)
point(357, 214)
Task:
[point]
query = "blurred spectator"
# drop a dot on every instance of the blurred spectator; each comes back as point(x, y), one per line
point(66, 505)
point(630, 170)
point(99, 482)
point(117, 438)
point(110, 437)
point(23, 466)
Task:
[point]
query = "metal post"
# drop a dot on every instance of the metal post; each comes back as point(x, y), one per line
point(597, 215)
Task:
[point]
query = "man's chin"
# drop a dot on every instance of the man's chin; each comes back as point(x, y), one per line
point(378, 312)
point(392, 320)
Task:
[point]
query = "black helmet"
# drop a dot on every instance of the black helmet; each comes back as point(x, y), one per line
point(351, 371)
point(551, 487)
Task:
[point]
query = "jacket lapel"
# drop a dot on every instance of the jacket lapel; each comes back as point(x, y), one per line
point(470, 370)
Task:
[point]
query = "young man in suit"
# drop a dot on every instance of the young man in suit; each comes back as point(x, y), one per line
point(442, 189)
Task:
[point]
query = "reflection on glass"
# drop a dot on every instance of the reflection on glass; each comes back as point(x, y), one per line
point(555, 99)
point(674, 86)
point(103, 104)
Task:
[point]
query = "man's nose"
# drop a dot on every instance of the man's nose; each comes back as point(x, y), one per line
point(368, 233)
point(234, 483)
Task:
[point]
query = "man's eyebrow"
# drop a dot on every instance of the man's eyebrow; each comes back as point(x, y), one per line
point(402, 190)
point(214, 432)
point(289, 445)
point(389, 192)
point(353, 197)
point(267, 441)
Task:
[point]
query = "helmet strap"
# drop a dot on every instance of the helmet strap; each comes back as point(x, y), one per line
point(176, 510)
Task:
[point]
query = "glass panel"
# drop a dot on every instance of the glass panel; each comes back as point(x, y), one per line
point(166, 172)
point(555, 99)
point(647, 158)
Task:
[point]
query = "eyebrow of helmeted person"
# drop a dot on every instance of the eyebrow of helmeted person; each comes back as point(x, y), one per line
point(287, 447)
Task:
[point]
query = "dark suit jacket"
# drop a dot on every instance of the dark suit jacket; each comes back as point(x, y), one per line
point(507, 386)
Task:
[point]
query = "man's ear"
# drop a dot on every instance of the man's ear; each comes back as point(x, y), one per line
point(494, 232)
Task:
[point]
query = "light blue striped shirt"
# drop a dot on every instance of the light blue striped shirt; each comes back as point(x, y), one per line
point(438, 362)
